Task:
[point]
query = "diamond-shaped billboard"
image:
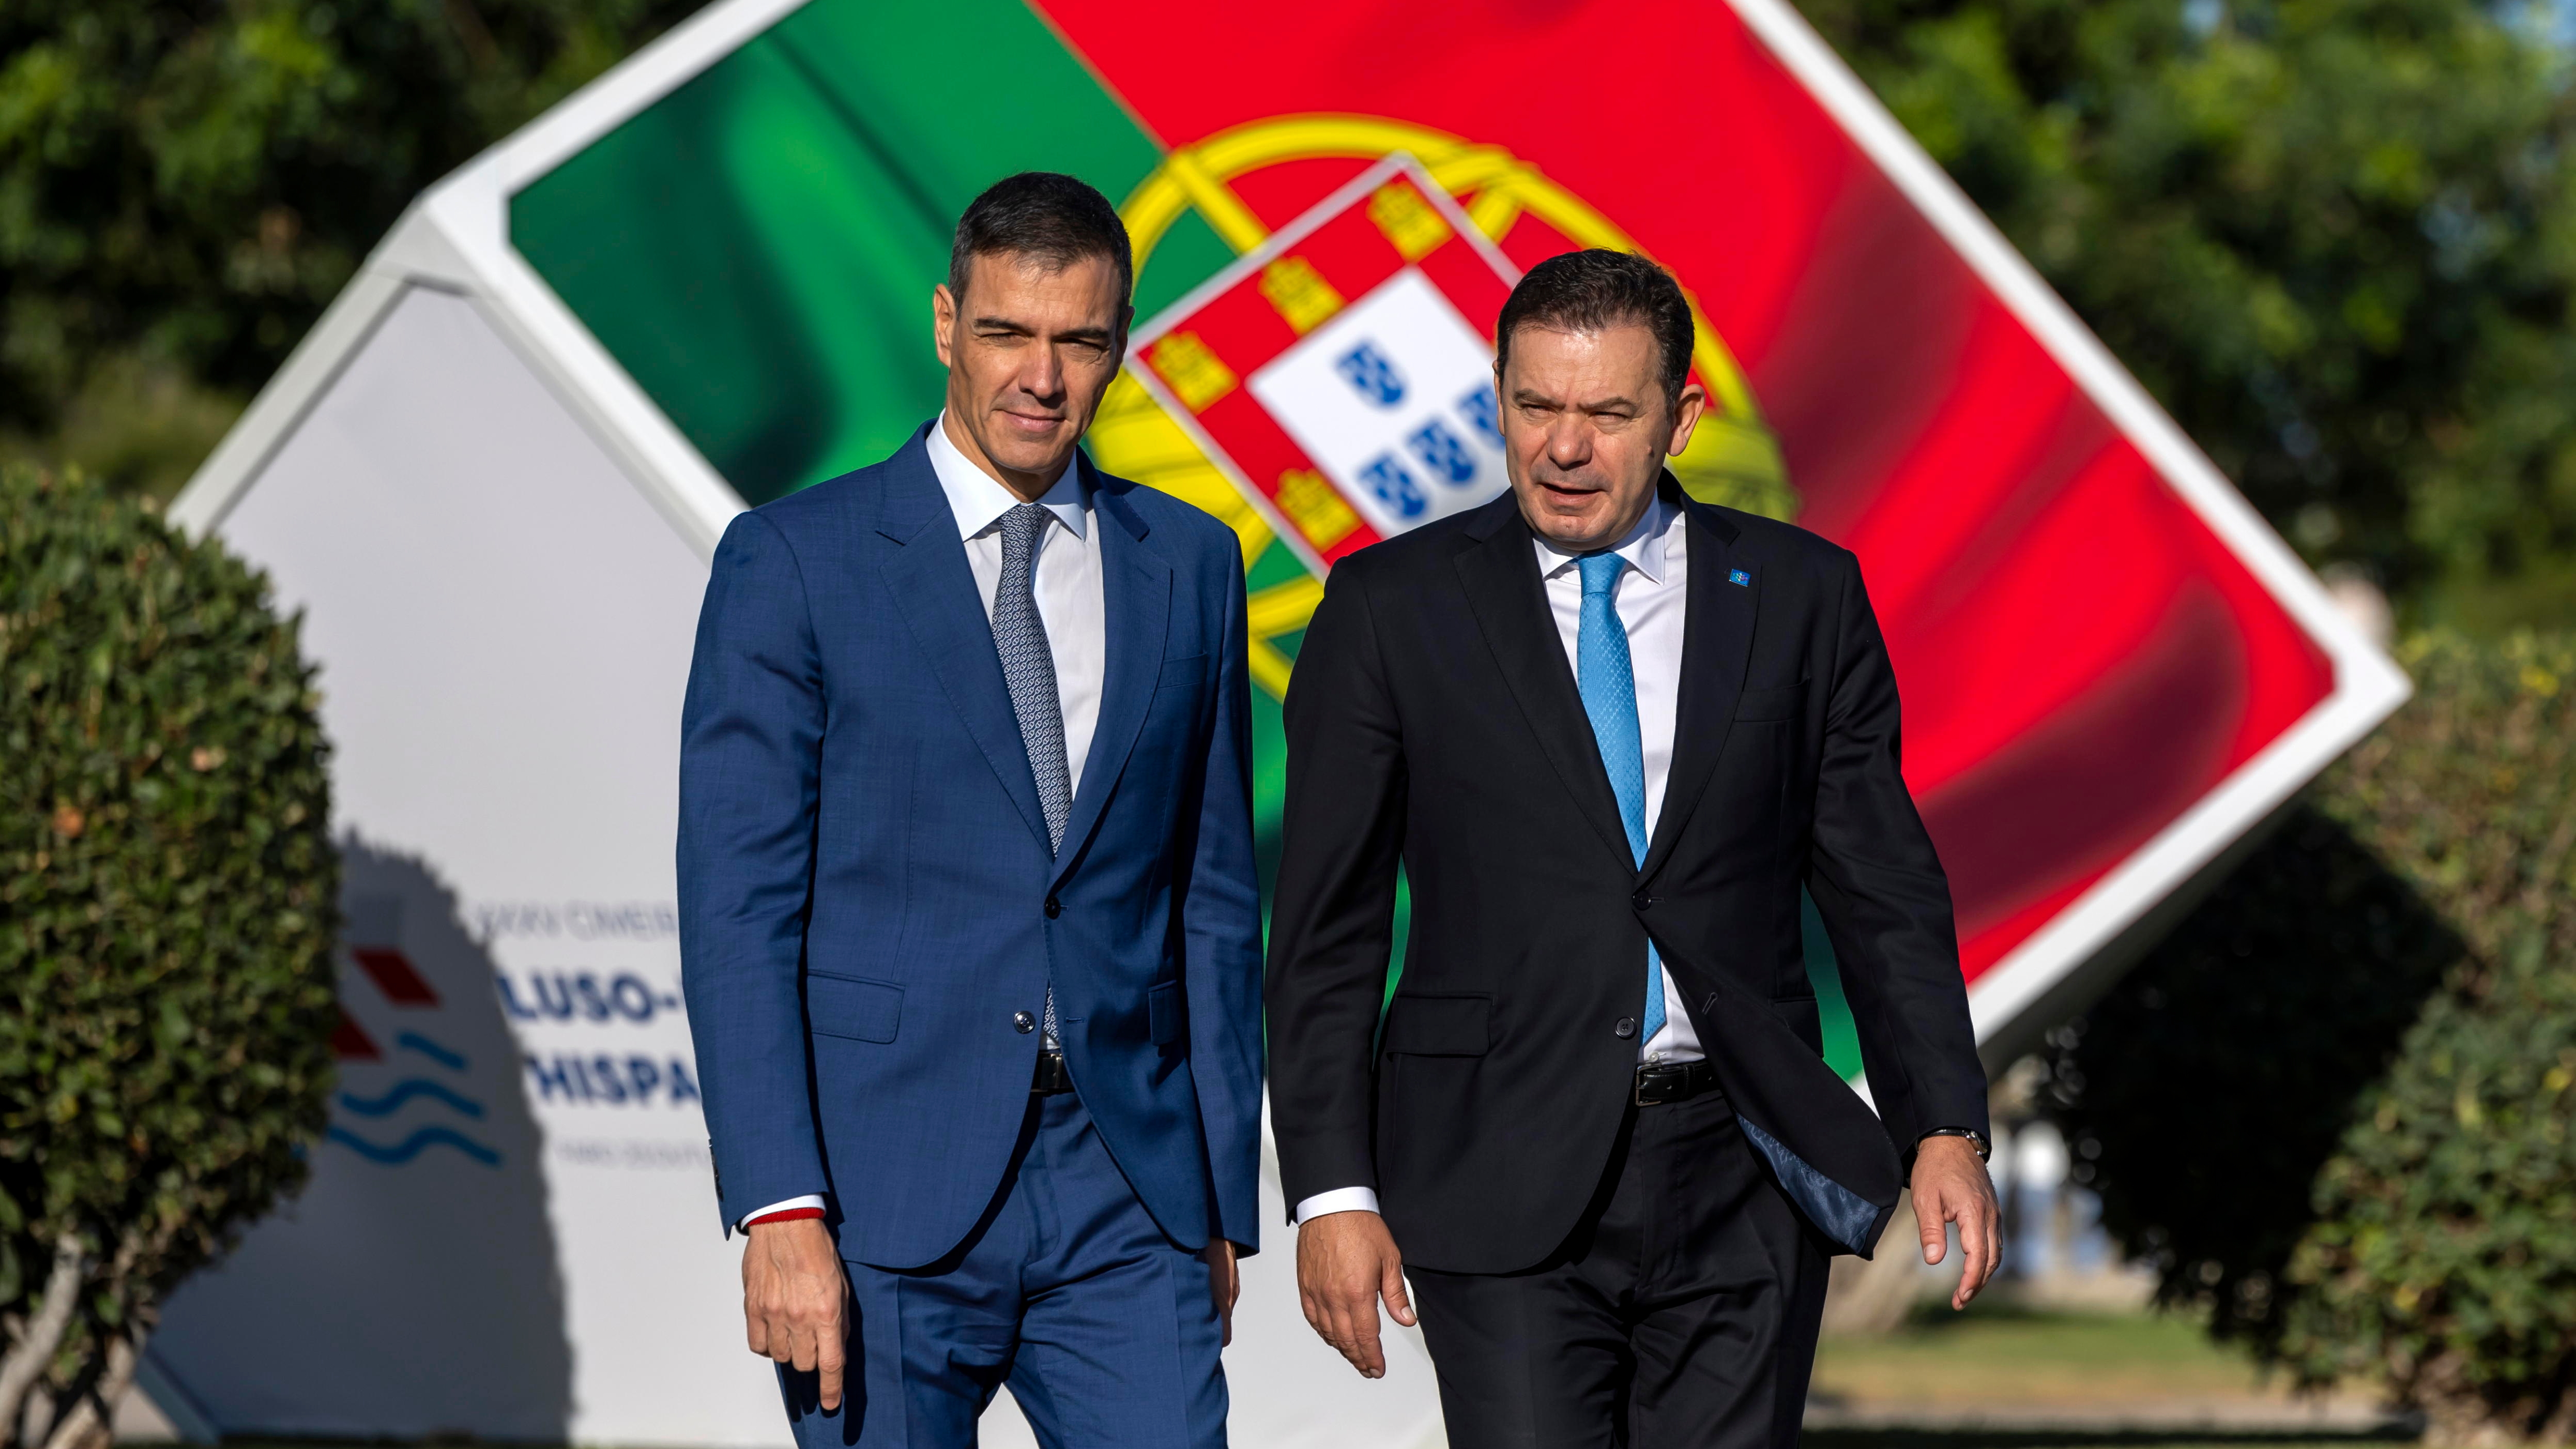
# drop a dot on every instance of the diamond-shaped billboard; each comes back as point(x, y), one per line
point(2111, 667)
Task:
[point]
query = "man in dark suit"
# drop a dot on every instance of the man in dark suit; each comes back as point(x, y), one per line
point(1609, 732)
point(969, 925)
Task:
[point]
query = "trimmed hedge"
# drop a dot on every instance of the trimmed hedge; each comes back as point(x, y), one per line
point(168, 905)
point(2334, 1108)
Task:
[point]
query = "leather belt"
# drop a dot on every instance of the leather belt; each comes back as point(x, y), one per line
point(1052, 1077)
point(1673, 1082)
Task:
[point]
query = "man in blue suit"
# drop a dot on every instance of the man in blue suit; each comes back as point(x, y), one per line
point(969, 926)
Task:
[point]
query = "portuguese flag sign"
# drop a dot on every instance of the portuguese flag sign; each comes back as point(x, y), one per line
point(2110, 667)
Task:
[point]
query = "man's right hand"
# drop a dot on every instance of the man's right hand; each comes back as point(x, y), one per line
point(1345, 1263)
point(796, 1299)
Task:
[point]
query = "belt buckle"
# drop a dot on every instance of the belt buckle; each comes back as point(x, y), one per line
point(1053, 1077)
point(1640, 1094)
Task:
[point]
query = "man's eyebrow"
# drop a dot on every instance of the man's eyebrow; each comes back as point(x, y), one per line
point(1073, 334)
point(1525, 397)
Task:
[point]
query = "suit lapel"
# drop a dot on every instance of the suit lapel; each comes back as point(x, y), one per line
point(934, 590)
point(1717, 646)
point(1500, 571)
point(1136, 610)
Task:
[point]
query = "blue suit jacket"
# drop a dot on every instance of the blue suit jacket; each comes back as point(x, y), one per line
point(866, 898)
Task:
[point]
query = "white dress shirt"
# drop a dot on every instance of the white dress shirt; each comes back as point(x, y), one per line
point(1651, 597)
point(1070, 602)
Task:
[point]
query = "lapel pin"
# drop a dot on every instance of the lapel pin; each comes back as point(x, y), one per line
point(1739, 578)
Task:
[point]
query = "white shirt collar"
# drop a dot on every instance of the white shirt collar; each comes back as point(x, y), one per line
point(979, 500)
point(1642, 547)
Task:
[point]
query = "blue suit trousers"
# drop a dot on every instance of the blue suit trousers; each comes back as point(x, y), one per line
point(1104, 1328)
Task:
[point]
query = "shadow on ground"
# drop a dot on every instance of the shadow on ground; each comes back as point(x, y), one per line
point(2104, 1439)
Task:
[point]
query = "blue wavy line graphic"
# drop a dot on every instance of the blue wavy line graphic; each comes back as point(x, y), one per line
point(404, 1091)
point(432, 1050)
point(414, 1145)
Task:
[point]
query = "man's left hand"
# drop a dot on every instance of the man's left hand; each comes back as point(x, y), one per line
point(1225, 1282)
point(1951, 1186)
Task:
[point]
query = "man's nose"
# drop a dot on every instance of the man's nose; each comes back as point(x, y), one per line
point(1043, 378)
point(1569, 443)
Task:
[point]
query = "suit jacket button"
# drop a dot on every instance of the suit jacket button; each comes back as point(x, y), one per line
point(1641, 900)
point(1626, 1028)
point(1054, 908)
point(1023, 1023)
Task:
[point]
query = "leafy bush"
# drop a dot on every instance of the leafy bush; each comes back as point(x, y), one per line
point(2203, 1094)
point(2444, 1255)
point(168, 902)
point(2334, 1107)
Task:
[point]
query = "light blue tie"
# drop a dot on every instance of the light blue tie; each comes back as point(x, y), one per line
point(1609, 688)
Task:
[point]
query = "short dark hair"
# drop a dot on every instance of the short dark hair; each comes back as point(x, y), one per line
point(1050, 218)
point(1589, 290)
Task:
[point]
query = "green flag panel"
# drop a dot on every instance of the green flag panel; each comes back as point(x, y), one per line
point(758, 248)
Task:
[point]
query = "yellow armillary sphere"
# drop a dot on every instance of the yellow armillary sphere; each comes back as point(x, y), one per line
point(1732, 459)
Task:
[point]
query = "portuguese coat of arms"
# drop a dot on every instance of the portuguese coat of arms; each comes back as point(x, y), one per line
point(1342, 371)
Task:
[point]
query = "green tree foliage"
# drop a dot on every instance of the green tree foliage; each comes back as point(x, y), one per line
point(2334, 237)
point(168, 900)
point(184, 184)
point(2334, 1107)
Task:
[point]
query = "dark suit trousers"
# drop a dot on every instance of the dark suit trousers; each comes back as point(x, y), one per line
point(1067, 1291)
point(1682, 1311)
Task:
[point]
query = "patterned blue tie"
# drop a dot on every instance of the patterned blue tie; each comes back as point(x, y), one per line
point(1028, 667)
point(1609, 688)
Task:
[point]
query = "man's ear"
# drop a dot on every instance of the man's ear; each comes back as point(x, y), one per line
point(1687, 410)
point(943, 322)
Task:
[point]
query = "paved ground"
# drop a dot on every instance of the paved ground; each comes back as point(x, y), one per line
point(2001, 1377)
point(2009, 1377)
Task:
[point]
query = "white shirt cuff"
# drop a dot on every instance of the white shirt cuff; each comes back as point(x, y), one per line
point(809, 1200)
point(1339, 1200)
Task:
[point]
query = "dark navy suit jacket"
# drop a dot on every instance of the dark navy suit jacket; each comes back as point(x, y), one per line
point(866, 898)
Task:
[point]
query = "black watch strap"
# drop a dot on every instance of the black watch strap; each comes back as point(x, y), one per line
point(1976, 1139)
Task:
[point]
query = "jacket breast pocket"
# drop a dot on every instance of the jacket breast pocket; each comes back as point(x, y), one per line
point(1786, 702)
point(1186, 672)
point(852, 1006)
point(1440, 1026)
point(1163, 1013)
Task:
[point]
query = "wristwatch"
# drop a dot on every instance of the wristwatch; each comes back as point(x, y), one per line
point(1976, 1139)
